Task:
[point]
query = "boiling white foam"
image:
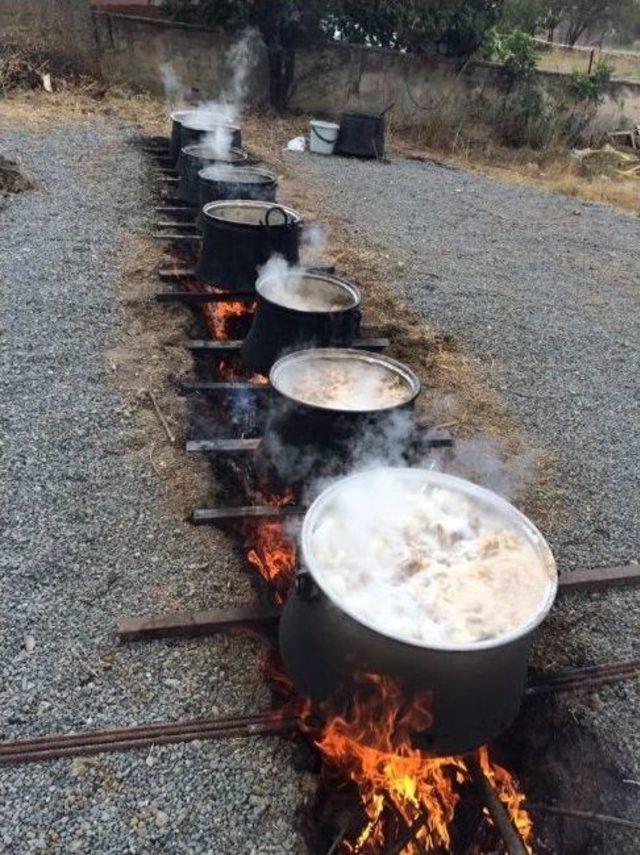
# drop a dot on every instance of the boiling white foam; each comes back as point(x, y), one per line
point(343, 384)
point(426, 564)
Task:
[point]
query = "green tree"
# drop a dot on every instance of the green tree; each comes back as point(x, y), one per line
point(452, 27)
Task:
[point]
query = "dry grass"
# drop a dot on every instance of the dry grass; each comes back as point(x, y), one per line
point(554, 171)
point(626, 64)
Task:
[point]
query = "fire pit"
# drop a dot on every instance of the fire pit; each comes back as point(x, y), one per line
point(298, 310)
point(193, 158)
point(220, 181)
point(428, 580)
point(241, 236)
point(326, 403)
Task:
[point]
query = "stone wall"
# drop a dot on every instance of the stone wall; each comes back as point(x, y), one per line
point(66, 25)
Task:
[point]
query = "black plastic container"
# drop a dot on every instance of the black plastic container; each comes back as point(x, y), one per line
point(241, 236)
point(361, 135)
point(300, 310)
point(192, 159)
point(217, 182)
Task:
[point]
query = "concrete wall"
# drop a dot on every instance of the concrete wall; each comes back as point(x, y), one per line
point(132, 50)
point(66, 25)
point(328, 78)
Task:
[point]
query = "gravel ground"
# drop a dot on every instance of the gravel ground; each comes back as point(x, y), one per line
point(88, 537)
point(543, 290)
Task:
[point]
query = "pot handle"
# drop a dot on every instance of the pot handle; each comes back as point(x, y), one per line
point(269, 214)
point(306, 587)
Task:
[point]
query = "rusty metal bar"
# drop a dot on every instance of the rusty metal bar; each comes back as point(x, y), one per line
point(600, 577)
point(124, 739)
point(225, 387)
point(235, 345)
point(177, 237)
point(223, 446)
point(193, 624)
point(231, 516)
point(584, 678)
point(197, 298)
point(170, 274)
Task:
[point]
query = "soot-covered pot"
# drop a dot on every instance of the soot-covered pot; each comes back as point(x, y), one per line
point(190, 126)
point(193, 158)
point(219, 182)
point(241, 236)
point(297, 310)
point(474, 689)
point(326, 404)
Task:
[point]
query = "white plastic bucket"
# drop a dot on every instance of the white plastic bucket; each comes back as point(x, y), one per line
point(323, 136)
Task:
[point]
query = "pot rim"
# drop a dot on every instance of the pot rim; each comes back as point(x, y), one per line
point(203, 125)
point(210, 209)
point(355, 292)
point(270, 177)
point(236, 155)
point(346, 353)
point(469, 488)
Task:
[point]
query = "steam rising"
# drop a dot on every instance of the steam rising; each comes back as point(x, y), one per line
point(428, 560)
point(240, 61)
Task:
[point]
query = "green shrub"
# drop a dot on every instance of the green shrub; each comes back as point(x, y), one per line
point(591, 87)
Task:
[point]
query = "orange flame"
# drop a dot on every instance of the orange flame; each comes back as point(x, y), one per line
point(273, 551)
point(219, 317)
point(371, 746)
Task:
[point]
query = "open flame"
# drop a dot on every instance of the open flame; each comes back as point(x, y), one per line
point(221, 317)
point(273, 551)
point(370, 745)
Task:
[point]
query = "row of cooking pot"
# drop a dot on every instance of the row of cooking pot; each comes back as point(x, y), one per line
point(303, 320)
point(241, 226)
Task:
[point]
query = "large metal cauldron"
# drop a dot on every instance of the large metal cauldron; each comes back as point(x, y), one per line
point(241, 236)
point(313, 431)
point(300, 310)
point(193, 158)
point(476, 689)
point(189, 126)
point(219, 182)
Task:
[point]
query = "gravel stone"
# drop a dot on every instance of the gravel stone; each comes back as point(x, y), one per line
point(88, 537)
point(549, 302)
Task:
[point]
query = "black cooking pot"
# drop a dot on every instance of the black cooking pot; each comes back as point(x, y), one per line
point(300, 310)
point(475, 690)
point(218, 182)
point(188, 127)
point(241, 236)
point(176, 130)
point(192, 159)
point(361, 135)
point(309, 433)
